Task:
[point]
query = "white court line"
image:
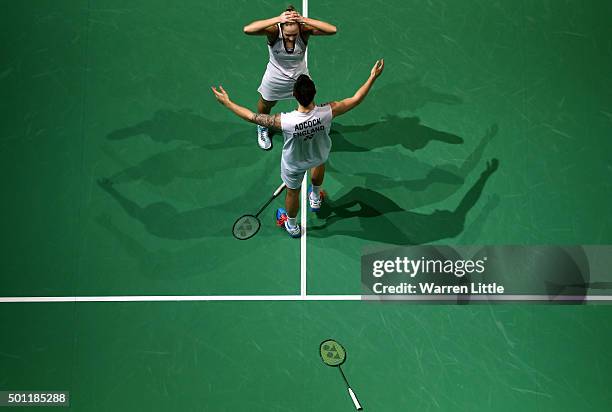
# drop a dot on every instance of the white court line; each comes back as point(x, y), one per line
point(487, 298)
point(273, 298)
point(303, 210)
point(304, 213)
point(211, 298)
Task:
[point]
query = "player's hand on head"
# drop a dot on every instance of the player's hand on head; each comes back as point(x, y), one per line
point(296, 17)
point(221, 95)
point(286, 16)
point(378, 68)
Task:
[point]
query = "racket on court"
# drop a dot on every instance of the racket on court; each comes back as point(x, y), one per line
point(334, 355)
point(247, 226)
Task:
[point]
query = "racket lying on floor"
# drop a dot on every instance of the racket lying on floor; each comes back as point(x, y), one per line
point(334, 355)
point(248, 225)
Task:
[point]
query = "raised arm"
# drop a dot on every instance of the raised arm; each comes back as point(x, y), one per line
point(316, 27)
point(268, 26)
point(349, 103)
point(265, 120)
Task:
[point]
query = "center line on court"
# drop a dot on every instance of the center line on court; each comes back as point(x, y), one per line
point(303, 205)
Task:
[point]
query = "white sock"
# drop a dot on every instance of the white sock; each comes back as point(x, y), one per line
point(292, 221)
point(316, 190)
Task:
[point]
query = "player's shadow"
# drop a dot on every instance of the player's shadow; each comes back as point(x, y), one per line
point(369, 215)
point(208, 147)
point(390, 131)
point(167, 126)
point(187, 162)
point(163, 220)
point(473, 232)
point(407, 94)
point(160, 263)
point(402, 95)
point(562, 273)
point(438, 184)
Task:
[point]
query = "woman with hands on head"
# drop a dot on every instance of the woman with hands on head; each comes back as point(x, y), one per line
point(287, 36)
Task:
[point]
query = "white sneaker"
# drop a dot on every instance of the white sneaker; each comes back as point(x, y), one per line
point(314, 200)
point(282, 220)
point(294, 232)
point(263, 140)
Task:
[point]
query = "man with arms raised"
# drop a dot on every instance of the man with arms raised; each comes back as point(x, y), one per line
point(306, 140)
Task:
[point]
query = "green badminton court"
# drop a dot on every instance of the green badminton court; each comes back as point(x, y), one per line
point(122, 176)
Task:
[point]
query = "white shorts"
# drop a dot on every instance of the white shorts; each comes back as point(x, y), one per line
point(292, 179)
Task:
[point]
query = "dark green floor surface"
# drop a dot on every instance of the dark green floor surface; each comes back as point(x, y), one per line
point(264, 356)
point(120, 90)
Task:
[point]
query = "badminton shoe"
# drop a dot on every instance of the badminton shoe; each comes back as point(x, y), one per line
point(263, 139)
point(282, 220)
point(314, 200)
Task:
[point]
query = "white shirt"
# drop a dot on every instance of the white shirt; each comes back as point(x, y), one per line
point(306, 138)
point(285, 63)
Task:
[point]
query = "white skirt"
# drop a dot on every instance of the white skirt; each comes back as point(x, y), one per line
point(275, 86)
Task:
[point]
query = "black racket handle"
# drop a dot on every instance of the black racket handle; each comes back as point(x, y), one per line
point(274, 196)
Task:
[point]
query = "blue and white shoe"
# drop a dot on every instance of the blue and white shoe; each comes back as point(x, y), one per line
point(263, 139)
point(282, 220)
point(314, 200)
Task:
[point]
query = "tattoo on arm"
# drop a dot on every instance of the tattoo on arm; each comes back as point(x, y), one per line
point(267, 120)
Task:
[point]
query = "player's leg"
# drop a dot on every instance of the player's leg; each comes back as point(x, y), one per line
point(315, 194)
point(264, 106)
point(287, 217)
point(263, 136)
point(292, 205)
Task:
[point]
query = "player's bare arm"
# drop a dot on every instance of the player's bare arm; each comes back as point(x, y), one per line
point(268, 26)
point(265, 120)
point(345, 105)
point(315, 27)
